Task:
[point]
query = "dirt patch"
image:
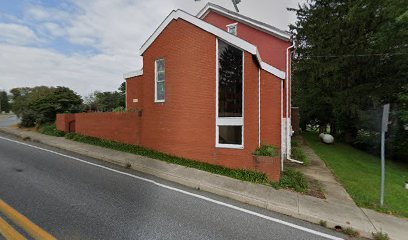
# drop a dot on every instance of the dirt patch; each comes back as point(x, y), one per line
point(315, 190)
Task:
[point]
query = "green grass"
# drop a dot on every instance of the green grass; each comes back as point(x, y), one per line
point(241, 174)
point(50, 129)
point(380, 236)
point(294, 180)
point(359, 172)
point(298, 154)
point(290, 179)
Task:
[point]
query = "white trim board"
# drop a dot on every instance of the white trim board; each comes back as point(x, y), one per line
point(133, 74)
point(243, 19)
point(221, 34)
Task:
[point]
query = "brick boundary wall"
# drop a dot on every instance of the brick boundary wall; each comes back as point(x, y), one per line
point(121, 127)
point(63, 121)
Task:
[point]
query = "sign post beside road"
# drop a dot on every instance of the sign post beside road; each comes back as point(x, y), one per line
point(384, 129)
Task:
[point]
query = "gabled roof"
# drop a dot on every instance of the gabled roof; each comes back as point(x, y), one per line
point(284, 35)
point(225, 36)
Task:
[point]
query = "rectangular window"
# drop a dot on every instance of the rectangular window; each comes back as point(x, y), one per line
point(230, 123)
point(230, 135)
point(160, 87)
point(233, 28)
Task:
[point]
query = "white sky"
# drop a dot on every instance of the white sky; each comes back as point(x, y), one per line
point(88, 45)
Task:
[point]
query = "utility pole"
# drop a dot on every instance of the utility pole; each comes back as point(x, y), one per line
point(384, 129)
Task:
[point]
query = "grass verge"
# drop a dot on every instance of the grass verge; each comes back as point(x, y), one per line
point(290, 179)
point(51, 129)
point(360, 174)
point(241, 174)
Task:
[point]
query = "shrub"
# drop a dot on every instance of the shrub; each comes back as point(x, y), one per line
point(351, 232)
point(266, 150)
point(298, 154)
point(28, 119)
point(50, 129)
point(323, 223)
point(294, 180)
point(119, 109)
point(380, 236)
point(368, 141)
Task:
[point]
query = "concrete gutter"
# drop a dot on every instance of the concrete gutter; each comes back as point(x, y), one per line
point(282, 201)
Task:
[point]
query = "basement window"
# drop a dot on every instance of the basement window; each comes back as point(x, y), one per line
point(160, 87)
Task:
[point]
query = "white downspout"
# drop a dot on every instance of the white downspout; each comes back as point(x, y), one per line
point(259, 107)
point(287, 130)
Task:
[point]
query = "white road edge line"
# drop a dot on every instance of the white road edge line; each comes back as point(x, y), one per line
point(187, 193)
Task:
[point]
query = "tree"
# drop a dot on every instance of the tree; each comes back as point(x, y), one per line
point(18, 97)
point(122, 95)
point(4, 102)
point(107, 101)
point(351, 56)
point(40, 105)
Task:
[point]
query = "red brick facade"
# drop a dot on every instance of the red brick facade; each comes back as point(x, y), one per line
point(185, 124)
point(272, 49)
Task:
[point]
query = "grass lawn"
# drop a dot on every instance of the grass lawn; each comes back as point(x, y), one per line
point(360, 174)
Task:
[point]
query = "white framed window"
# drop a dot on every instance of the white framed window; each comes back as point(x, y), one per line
point(229, 96)
point(160, 81)
point(233, 28)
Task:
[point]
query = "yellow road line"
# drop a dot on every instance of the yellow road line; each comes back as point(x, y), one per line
point(9, 232)
point(31, 228)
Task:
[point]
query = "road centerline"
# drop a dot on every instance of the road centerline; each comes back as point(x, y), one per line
point(28, 226)
point(9, 232)
point(271, 219)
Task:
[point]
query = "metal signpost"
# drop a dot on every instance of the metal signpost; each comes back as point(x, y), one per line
point(384, 129)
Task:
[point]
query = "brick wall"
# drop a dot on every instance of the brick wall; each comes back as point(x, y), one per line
point(120, 127)
point(64, 121)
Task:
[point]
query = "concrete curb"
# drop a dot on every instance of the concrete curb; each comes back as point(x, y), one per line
point(293, 204)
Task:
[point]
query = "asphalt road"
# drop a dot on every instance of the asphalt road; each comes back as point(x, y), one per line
point(8, 120)
point(71, 199)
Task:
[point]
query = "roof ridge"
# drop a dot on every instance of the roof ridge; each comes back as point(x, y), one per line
point(264, 26)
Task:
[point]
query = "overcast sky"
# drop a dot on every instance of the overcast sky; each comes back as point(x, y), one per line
point(88, 45)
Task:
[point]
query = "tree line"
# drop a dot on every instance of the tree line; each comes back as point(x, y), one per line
point(39, 105)
point(351, 57)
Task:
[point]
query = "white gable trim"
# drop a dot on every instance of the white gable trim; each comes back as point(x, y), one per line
point(204, 12)
point(231, 39)
point(273, 70)
point(133, 74)
point(174, 15)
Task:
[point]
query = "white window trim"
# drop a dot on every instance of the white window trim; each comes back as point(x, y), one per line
point(236, 28)
point(229, 121)
point(156, 80)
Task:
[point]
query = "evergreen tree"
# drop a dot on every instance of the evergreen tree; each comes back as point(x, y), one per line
point(351, 56)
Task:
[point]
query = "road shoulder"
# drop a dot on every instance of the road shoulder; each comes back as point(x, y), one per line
point(289, 203)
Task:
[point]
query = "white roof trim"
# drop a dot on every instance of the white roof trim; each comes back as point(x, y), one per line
point(273, 70)
point(133, 74)
point(231, 39)
point(174, 15)
point(203, 13)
